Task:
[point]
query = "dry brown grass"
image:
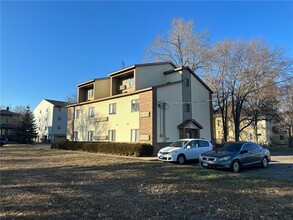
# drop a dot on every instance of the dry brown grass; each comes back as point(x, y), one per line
point(39, 183)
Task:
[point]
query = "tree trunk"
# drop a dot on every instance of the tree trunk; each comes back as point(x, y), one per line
point(255, 128)
point(225, 130)
point(290, 137)
point(237, 131)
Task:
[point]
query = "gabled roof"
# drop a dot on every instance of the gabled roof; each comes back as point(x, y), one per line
point(91, 81)
point(186, 122)
point(58, 103)
point(196, 76)
point(7, 112)
point(141, 65)
point(8, 126)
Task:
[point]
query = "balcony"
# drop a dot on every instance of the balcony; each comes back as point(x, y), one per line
point(86, 93)
point(123, 83)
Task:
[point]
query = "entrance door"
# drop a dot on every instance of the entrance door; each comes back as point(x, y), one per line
point(192, 133)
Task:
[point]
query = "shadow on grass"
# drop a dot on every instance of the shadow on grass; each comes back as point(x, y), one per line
point(138, 190)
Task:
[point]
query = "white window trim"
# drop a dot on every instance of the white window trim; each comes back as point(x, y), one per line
point(112, 108)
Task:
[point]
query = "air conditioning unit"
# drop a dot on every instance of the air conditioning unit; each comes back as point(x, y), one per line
point(101, 119)
point(102, 137)
point(122, 87)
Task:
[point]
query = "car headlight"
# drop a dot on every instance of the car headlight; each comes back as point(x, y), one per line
point(224, 158)
point(172, 152)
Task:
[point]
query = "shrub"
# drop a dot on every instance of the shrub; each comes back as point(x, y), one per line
point(126, 149)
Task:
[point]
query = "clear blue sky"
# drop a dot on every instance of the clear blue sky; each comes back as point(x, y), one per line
point(49, 47)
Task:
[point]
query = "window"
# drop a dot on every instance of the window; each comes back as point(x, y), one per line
point(134, 135)
point(130, 83)
point(91, 112)
point(246, 147)
point(112, 108)
point(59, 119)
point(90, 135)
point(59, 127)
point(186, 82)
point(76, 114)
point(75, 136)
point(193, 144)
point(253, 147)
point(203, 144)
point(59, 109)
point(112, 135)
point(135, 105)
point(282, 138)
point(90, 93)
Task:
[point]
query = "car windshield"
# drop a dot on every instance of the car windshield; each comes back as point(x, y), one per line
point(178, 144)
point(231, 147)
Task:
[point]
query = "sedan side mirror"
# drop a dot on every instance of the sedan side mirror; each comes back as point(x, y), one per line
point(244, 151)
point(188, 147)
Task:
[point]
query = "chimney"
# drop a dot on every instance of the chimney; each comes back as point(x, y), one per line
point(7, 109)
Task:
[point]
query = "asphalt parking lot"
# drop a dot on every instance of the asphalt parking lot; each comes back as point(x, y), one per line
point(280, 167)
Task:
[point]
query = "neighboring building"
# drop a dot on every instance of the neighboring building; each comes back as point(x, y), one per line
point(51, 120)
point(154, 103)
point(264, 134)
point(9, 124)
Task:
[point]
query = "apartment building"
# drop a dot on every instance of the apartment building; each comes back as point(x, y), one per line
point(51, 120)
point(264, 133)
point(155, 103)
point(9, 126)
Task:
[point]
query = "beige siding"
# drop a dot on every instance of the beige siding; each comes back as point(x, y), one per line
point(149, 76)
point(172, 94)
point(123, 121)
point(102, 88)
point(173, 77)
point(201, 107)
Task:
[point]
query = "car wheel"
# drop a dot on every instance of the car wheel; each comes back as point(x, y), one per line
point(235, 166)
point(265, 162)
point(181, 159)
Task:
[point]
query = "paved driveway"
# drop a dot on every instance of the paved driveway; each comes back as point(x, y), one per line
point(281, 167)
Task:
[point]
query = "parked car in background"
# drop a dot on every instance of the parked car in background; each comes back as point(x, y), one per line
point(3, 141)
point(236, 155)
point(184, 149)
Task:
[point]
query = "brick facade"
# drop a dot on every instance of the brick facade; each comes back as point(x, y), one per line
point(70, 123)
point(146, 117)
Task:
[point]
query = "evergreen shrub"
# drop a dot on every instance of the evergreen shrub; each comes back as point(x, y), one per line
point(126, 149)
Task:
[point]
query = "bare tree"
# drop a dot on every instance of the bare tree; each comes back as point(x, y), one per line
point(244, 76)
point(286, 109)
point(262, 105)
point(257, 67)
point(72, 98)
point(218, 80)
point(182, 46)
